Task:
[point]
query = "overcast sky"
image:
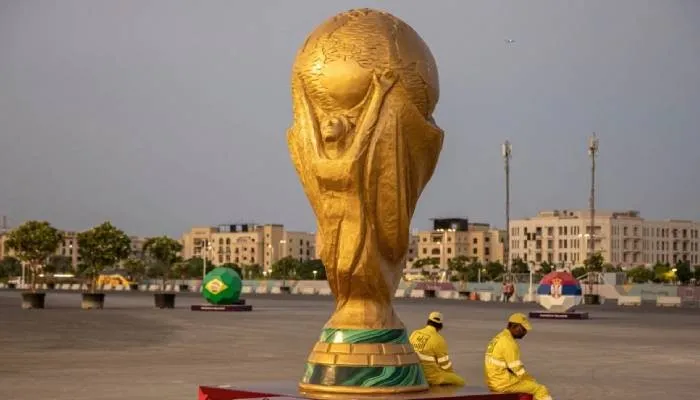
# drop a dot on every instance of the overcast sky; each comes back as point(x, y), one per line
point(161, 115)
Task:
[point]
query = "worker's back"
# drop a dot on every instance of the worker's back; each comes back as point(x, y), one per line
point(432, 352)
point(501, 349)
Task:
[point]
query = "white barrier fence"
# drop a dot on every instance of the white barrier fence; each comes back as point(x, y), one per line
point(318, 288)
point(668, 301)
point(629, 301)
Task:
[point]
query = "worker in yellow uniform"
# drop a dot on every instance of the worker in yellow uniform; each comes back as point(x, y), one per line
point(504, 370)
point(431, 348)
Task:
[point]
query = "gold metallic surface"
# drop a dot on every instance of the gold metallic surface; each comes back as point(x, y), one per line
point(365, 354)
point(364, 144)
point(321, 392)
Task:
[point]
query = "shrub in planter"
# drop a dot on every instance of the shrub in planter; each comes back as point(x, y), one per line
point(163, 252)
point(33, 242)
point(100, 247)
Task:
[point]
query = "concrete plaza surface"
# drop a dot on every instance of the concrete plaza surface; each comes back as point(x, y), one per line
point(130, 350)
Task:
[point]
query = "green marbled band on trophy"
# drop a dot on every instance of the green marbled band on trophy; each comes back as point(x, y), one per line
point(332, 335)
point(357, 360)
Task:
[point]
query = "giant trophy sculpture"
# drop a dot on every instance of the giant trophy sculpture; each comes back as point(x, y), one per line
point(364, 144)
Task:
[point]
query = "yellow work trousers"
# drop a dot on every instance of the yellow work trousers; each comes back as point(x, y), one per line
point(528, 386)
point(446, 378)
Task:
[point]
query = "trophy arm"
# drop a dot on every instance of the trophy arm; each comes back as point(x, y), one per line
point(401, 163)
point(303, 141)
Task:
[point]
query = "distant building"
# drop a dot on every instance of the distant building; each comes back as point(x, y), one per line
point(623, 238)
point(457, 237)
point(248, 244)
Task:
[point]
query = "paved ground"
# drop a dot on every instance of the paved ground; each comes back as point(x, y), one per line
point(132, 351)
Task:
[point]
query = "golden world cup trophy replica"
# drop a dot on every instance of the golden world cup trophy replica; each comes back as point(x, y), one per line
point(364, 144)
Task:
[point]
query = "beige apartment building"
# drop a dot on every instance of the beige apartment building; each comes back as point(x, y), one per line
point(623, 238)
point(69, 247)
point(454, 237)
point(248, 244)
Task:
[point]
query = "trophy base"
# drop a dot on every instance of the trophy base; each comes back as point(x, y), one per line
point(363, 361)
point(290, 391)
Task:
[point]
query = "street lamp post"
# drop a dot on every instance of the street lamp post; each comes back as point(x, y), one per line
point(205, 249)
point(506, 151)
point(315, 273)
point(592, 152)
point(281, 251)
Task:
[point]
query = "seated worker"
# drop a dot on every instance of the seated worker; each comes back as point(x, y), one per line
point(431, 348)
point(503, 368)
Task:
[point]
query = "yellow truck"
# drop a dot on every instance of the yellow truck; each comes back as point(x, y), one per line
point(113, 280)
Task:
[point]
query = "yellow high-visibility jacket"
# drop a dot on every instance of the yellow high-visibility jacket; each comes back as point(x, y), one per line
point(502, 364)
point(431, 348)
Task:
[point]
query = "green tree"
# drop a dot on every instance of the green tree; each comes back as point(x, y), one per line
point(662, 273)
point(59, 264)
point(101, 247)
point(594, 263)
point(494, 270)
point(285, 268)
point(233, 266)
point(33, 242)
point(457, 268)
point(193, 267)
point(640, 274)
point(697, 273)
point(253, 271)
point(164, 253)
point(546, 267)
point(307, 268)
point(428, 261)
point(135, 269)
point(683, 272)
point(578, 272)
point(519, 267)
point(9, 267)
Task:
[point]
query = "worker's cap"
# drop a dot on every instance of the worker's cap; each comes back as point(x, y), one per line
point(521, 319)
point(435, 317)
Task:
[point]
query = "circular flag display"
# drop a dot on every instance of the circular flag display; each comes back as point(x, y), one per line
point(559, 291)
point(222, 286)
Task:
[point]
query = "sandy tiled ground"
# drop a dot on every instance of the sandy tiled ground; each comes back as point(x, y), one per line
point(132, 351)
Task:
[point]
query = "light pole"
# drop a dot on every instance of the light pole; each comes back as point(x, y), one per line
point(315, 273)
point(281, 250)
point(592, 152)
point(205, 249)
point(506, 151)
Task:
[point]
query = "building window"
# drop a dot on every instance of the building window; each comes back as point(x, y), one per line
point(435, 251)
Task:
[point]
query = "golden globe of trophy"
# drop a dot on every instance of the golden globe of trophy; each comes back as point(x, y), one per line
point(364, 144)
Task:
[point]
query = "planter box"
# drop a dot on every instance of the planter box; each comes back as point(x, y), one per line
point(33, 300)
point(164, 300)
point(92, 301)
